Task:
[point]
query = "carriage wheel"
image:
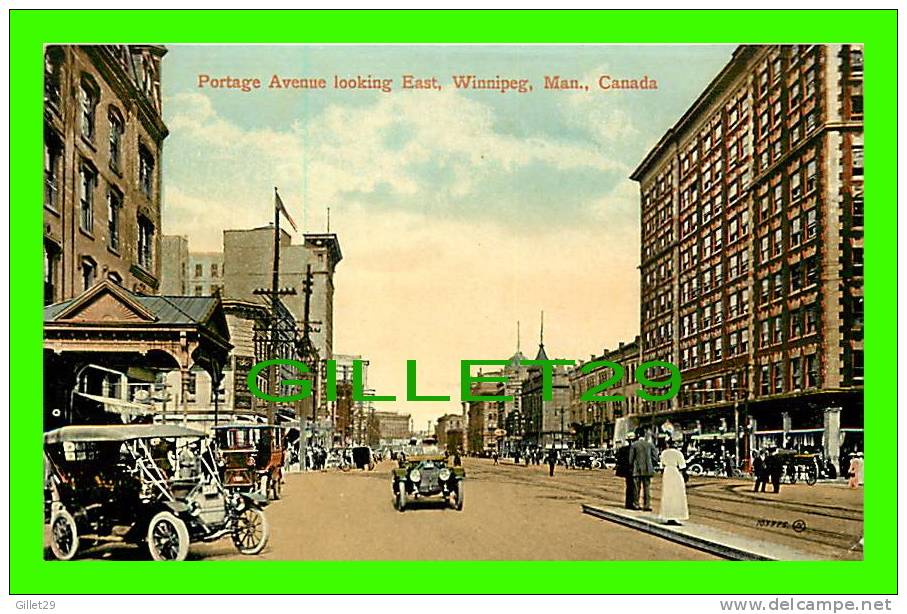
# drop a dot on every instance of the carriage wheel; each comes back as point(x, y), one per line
point(811, 478)
point(695, 469)
point(250, 534)
point(458, 497)
point(64, 535)
point(168, 538)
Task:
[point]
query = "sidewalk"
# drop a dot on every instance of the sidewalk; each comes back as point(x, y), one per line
point(702, 537)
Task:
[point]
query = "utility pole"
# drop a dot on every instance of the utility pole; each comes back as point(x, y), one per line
point(274, 295)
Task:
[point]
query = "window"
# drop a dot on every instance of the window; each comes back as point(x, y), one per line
point(810, 224)
point(114, 204)
point(795, 190)
point(796, 277)
point(858, 365)
point(88, 100)
point(199, 290)
point(115, 137)
point(732, 305)
point(732, 343)
point(812, 371)
point(810, 83)
point(764, 379)
point(811, 175)
point(796, 231)
point(213, 269)
point(53, 64)
point(763, 291)
point(718, 348)
point(115, 278)
point(796, 324)
point(88, 179)
point(777, 198)
point(796, 373)
point(777, 331)
point(146, 244)
point(856, 99)
point(811, 319)
point(744, 340)
point(779, 377)
point(857, 261)
point(778, 242)
point(857, 159)
point(794, 94)
point(51, 272)
point(763, 249)
point(199, 270)
point(812, 271)
point(857, 303)
point(856, 60)
point(146, 172)
point(764, 337)
point(53, 155)
point(779, 285)
point(89, 273)
point(857, 204)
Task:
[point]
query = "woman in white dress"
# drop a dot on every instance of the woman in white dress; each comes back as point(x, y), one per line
point(673, 488)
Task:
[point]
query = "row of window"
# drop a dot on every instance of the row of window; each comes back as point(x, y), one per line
point(712, 314)
point(712, 350)
point(200, 270)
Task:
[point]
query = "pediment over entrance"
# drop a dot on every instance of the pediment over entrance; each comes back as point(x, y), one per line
point(105, 303)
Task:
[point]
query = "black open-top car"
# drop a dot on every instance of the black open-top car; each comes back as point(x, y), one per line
point(427, 475)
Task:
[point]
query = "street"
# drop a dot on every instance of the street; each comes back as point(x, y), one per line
point(520, 513)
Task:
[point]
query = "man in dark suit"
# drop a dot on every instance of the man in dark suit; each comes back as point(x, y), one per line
point(760, 471)
point(775, 468)
point(625, 471)
point(643, 460)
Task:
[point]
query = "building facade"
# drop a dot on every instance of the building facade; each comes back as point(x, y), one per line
point(103, 140)
point(174, 265)
point(393, 428)
point(482, 431)
point(450, 431)
point(603, 423)
point(752, 253)
point(546, 423)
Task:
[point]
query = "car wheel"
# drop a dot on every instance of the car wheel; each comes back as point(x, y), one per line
point(168, 538)
point(64, 541)
point(250, 534)
point(695, 470)
point(458, 497)
point(401, 499)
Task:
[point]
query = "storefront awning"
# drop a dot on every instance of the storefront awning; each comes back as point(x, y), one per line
point(119, 406)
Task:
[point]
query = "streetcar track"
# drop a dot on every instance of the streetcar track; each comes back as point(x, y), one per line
point(821, 537)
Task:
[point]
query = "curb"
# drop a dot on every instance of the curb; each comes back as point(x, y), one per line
point(723, 550)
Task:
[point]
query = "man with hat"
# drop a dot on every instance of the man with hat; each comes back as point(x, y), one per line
point(625, 471)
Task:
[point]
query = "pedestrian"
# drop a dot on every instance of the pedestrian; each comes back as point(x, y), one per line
point(856, 470)
point(643, 459)
point(623, 470)
point(760, 471)
point(516, 457)
point(457, 460)
point(775, 468)
point(673, 486)
point(527, 459)
point(494, 457)
point(552, 461)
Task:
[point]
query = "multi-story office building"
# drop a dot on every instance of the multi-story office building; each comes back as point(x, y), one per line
point(393, 428)
point(206, 274)
point(450, 431)
point(601, 423)
point(103, 136)
point(482, 416)
point(752, 252)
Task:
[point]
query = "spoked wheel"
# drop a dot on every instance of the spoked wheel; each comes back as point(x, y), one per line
point(811, 478)
point(457, 500)
point(168, 538)
point(250, 535)
point(695, 470)
point(64, 542)
point(400, 500)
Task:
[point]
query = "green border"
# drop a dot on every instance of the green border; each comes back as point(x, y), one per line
point(29, 30)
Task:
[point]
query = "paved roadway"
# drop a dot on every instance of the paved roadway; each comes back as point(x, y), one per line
point(519, 513)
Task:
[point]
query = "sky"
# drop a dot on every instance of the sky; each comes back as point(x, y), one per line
point(459, 212)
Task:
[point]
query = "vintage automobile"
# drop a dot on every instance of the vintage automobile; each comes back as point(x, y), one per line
point(253, 456)
point(146, 484)
point(426, 473)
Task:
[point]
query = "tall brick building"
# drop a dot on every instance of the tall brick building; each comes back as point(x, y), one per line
point(752, 252)
point(103, 135)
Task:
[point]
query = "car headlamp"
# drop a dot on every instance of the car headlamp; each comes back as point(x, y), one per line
point(415, 475)
point(444, 474)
